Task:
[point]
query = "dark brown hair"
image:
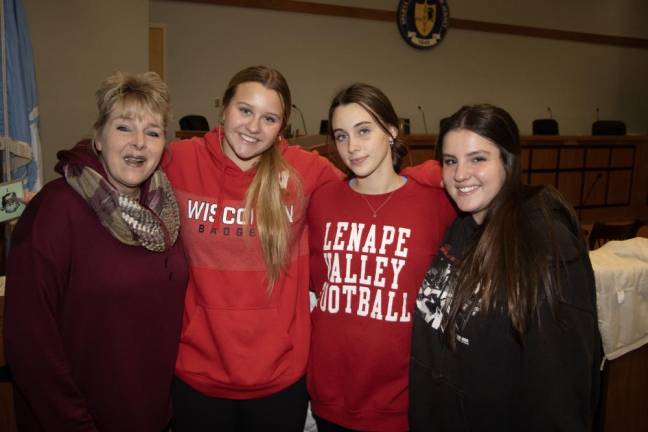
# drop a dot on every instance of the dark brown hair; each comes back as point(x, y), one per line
point(381, 110)
point(513, 262)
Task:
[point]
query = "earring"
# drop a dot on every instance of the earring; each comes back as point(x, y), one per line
point(391, 142)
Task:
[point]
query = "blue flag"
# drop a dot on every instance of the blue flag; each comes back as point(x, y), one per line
point(19, 102)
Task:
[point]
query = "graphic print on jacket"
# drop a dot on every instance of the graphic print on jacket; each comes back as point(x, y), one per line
point(358, 257)
point(433, 299)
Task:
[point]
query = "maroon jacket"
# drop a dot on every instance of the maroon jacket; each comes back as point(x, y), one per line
point(91, 324)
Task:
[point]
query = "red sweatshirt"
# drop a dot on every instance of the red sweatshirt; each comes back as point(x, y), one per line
point(238, 341)
point(366, 271)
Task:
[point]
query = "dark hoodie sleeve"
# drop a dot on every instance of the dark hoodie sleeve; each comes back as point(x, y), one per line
point(561, 357)
point(36, 279)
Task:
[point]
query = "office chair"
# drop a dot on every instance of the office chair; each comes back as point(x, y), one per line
point(324, 127)
point(194, 123)
point(602, 232)
point(547, 126)
point(404, 125)
point(608, 127)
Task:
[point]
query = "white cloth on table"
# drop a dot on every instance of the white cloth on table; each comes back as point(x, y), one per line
point(621, 272)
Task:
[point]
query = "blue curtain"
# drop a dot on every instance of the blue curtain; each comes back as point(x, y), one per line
point(19, 97)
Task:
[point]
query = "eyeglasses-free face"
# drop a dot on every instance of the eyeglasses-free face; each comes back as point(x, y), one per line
point(473, 171)
point(251, 123)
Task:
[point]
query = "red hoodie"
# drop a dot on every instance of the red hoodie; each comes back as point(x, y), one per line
point(238, 341)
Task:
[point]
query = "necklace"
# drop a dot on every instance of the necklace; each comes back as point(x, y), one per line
point(377, 209)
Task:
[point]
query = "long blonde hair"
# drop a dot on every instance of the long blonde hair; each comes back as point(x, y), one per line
point(268, 193)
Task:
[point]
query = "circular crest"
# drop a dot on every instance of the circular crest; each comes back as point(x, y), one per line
point(423, 23)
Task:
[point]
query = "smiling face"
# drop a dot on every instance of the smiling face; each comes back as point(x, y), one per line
point(473, 171)
point(363, 145)
point(130, 144)
point(251, 123)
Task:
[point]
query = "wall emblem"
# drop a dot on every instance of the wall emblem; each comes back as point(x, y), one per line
point(423, 23)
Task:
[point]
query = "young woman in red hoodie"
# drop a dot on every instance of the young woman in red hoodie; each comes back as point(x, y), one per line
point(372, 239)
point(242, 192)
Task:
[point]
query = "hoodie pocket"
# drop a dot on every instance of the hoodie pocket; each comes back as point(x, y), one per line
point(241, 348)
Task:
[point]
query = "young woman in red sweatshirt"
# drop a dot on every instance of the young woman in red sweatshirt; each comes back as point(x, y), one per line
point(371, 240)
point(242, 192)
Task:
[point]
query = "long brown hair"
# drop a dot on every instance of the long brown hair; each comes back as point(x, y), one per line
point(513, 262)
point(379, 107)
point(265, 194)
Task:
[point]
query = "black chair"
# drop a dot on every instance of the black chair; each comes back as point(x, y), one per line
point(324, 127)
point(547, 126)
point(602, 232)
point(194, 123)
point(404, 125)
point(608, 127)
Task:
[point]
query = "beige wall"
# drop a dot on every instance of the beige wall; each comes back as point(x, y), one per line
point(76, 44)
point(207, 44)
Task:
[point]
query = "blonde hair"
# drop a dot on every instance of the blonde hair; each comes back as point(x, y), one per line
point(267, 194)
point(132, 93)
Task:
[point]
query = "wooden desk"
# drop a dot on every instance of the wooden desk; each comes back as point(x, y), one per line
point(624, 389)
point(621, 269)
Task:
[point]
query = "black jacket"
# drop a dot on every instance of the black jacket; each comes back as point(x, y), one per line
point(492, 381)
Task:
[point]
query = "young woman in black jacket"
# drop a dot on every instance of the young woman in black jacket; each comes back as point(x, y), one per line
point(505, 333)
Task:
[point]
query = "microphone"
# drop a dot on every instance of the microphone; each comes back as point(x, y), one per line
point(301, 114)
point(424, 121)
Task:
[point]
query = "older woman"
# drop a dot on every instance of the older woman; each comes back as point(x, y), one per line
point(96, 276)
